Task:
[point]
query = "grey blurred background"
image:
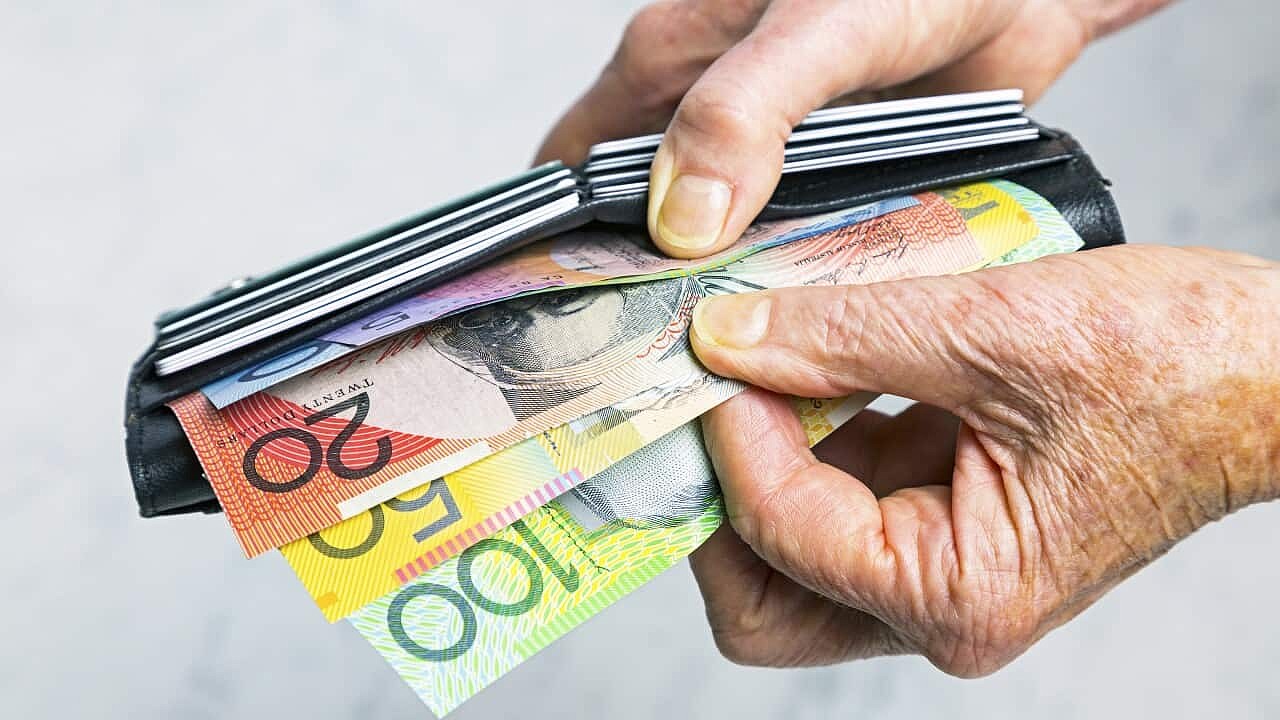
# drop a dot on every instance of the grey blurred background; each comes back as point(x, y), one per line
point(150, 152)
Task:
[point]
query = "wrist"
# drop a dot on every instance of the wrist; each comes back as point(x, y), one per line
point(1217, 415)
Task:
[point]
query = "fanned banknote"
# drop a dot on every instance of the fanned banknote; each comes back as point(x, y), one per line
point(573, 259)
point(305, 455)
point(455, 629)
point(360, 559)
point(326, 446)
point(447, 637)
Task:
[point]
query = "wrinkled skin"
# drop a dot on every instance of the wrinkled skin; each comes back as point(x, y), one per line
point(728, 79)
point(1079, 415)
point(1084, 413)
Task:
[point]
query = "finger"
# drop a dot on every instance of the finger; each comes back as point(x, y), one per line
point(663, 50)
point(789, 507)
point(760, 617)
point(913, 448)
point(1039, 44)
point(609, 109)
point(917, 338)
point(722, 154)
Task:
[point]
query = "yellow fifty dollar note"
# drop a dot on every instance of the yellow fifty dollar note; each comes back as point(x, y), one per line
point(350, 564)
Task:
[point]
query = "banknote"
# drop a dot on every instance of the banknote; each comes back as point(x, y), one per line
point(960, 229)
point(447, 637)
point(304, 455)
point(325, 446)
point(458, 627)
point(576, 258)
point(1054, 234)
point(364, 557)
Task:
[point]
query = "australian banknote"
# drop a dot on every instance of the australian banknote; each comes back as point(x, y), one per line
point(364, 557)
point(574, 259)
point(455, 629)
point(325, 446)
point(448, 639)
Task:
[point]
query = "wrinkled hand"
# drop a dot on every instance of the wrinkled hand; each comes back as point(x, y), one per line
point(1079, 414)
point(1083, 413)
point(739, 74)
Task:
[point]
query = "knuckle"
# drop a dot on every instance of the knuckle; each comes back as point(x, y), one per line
point(843, 324)
point(738, 627)
point(651, 53)
point(722, 111)
point(990, 327)
point(739, 647)
point(987, 305)
point(968, 663)
point(749, 636)
point(653, 22)
point(985, 633)
point(840, 328)
point(970, 658)
point(750, 513)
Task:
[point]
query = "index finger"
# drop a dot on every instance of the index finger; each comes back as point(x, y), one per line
point(663, 51)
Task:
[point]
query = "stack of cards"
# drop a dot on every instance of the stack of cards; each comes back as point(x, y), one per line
point(475, 226)
point(852, 135)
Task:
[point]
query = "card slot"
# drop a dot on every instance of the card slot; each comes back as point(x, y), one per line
point(336, 264)
point(928, 148)
point(637, 181)
point(407, 247)
point(355, 244)
point(911, 106)
point(804, 150)
point(369, 287)
point(902, 139)
point(830, 133)
point(900, 109)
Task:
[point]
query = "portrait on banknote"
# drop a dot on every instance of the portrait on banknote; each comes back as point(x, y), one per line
point(664, 499)
point(546, 349)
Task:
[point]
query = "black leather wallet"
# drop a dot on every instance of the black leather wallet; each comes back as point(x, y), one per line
point(167, 477)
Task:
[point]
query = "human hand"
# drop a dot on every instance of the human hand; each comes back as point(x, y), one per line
point(739, 74)
point(1085, 412)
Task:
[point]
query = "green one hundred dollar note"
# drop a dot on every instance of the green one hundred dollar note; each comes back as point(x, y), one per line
point(465, 623)
point(462, 625)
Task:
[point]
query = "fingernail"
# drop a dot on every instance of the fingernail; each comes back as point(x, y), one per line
point(733, 321)
point(693, 212)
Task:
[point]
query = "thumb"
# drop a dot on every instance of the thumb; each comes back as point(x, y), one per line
point(917, 338)
point(722, 153)
point(819, 526)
